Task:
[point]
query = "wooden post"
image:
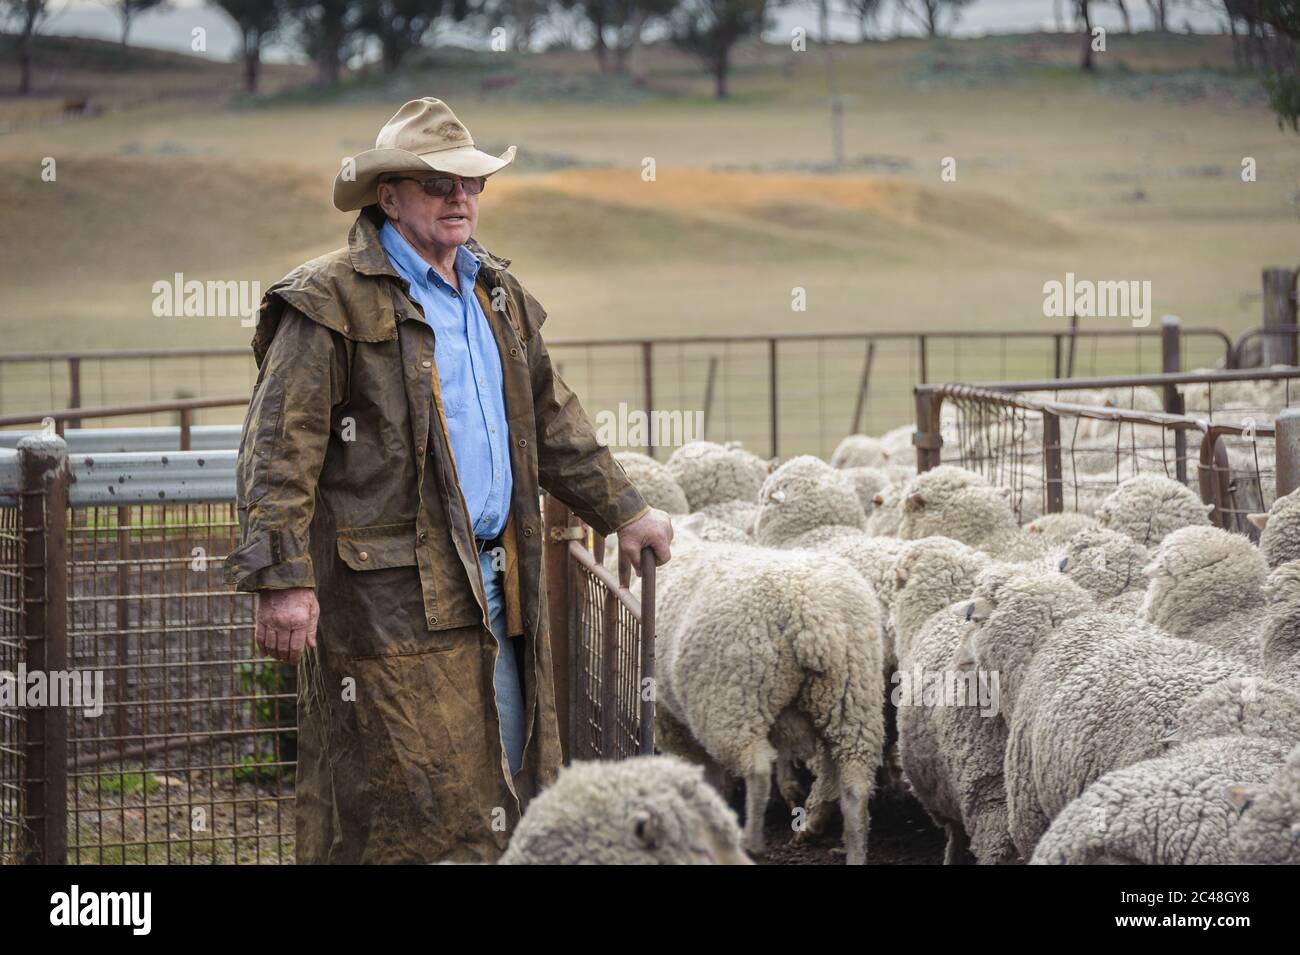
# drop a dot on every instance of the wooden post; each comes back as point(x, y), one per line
point(772, 394)
point(558, 596)
point(74, 389)
point(709, 380)
point(648, 372)
point(1279, 345)
point(1171, 362)
point(44, 479)
point(864, 384)
point(928, 440)
point(1052, 463)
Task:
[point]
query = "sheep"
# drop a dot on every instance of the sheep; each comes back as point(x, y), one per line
point(1109, 566)
point(953, 502)
point(655, 482)
point(1149, 507)
point(739, 514)
point(650, 810)
point(802, 494)
point(763, 653)
point(711, 473)
point(1279, 538)
point(704, 527)
point(898, 443)
point(1207, 585)
point(1280, 642)
point(1268, 832)
point(1059, 528)
point(1170, 810)
point(1083, 691)
point(886, 512)
point(868, 482)
point(859, 451)
point(950, 755)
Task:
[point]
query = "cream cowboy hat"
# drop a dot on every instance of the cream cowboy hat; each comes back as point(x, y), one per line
point(423, 135)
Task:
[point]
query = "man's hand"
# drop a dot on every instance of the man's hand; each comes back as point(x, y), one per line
point(652, 529)
point(286, 622)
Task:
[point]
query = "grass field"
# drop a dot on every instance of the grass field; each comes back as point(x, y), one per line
point(1131, 174)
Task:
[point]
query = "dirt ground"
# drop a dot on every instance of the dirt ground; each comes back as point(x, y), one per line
point(901, 834)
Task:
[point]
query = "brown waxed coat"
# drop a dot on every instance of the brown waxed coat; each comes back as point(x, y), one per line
point(346, 483)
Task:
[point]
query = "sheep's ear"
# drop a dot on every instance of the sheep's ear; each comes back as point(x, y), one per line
point(1154, 569)
point(978, 610)
point(1209, 508)
point(915, 502)
point(885, 453)
point(773, 464)
point(1033, 529)
point(777, 496)
point(648, 830)
point(1005, 492)
point(878, 500)
point(1240, 796)
point(1259, 520)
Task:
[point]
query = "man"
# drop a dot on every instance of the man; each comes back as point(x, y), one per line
point(405, 414)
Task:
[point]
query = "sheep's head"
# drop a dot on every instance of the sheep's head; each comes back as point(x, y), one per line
point(868, 482)
point(858, 451)
point(1104, 562)
point(1194, 565)
point(1061, 527)
point(1013, 613)
point(654, 810)
point(1241, 706)
point(886, 511)
point(956, 503)
point(711, 473)
point(1268, 831)
point(1279, 539)
point(1149, 507)
point(802, 494)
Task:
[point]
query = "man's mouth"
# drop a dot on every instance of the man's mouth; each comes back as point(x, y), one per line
point(453, 218)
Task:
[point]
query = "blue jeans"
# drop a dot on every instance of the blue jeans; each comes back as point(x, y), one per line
point(505, 679)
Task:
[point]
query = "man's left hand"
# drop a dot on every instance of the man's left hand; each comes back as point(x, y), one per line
point(652, 529)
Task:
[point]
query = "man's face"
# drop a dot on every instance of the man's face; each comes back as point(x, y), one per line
point(431, 221)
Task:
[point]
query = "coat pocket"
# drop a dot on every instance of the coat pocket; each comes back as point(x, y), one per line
point(378, 547)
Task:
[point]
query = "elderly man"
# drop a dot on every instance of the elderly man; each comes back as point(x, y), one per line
point(405, 414)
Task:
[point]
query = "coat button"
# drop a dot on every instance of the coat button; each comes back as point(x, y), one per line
point(419, 452)
point(528, 532)
point(514, 352)
point(346, 329)
point(523, 442)
point(423, 537)
point(363, 555)
point(426, 364)
point(433, 620)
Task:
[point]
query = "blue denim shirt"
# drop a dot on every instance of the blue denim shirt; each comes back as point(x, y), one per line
point(469, 374)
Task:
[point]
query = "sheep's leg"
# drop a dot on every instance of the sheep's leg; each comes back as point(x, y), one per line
point(821, 800)
point(957, 850)
point(855, 791)
point(758, 789)
point(787, 782)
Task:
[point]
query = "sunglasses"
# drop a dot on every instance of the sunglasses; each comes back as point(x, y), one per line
point(441, 188)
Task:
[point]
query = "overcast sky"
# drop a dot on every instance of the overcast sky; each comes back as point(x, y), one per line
point(172, 28)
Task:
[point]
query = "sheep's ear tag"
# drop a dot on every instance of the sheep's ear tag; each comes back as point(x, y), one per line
point(1259, 520)
point(1240, 796)
point(649, 832)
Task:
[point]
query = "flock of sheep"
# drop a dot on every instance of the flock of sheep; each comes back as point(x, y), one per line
point(1119, 686)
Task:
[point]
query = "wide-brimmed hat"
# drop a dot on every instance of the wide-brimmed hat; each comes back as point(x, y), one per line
point(423, 135)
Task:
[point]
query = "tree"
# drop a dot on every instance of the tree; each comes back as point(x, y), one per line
point(618, 26)
point(256, 21)
point(128, 10)
point(326, 31)
point(401, 26)
point(928, 14)
point(866, 11)
point(1272, 48)
point(29, 15)
point(709, 29)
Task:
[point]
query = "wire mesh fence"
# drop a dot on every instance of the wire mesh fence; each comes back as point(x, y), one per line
point(13, 658)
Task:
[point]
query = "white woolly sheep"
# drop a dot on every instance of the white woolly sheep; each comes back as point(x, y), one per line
point(1149, 507)
point(953, 502)
point(868, 482)
point(655, 482)
point(711, 473)
point(898, 442)
point(1109, 566)
point(764, 653)
point(886, 512)
point(1170, 810)
point(1279, 538)
point(1059, 528)
point(1207, 585)
point(1083, 691)
point(649, 810)
point(1280, 642)
point(801, 495)
point(859, 451)
point(951, 754)
point(1268, 832)
point(739, 514)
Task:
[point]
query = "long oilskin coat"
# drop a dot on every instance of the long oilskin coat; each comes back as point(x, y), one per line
point(346, 483)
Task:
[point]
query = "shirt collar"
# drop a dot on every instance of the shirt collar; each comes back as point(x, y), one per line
point(415, 269)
